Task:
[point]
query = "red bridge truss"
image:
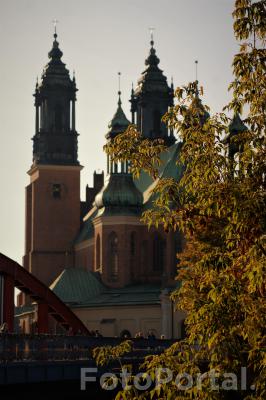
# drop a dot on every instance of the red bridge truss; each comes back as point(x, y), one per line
point(13, 275)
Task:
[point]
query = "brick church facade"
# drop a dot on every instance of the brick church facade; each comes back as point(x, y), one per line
point(97, 255)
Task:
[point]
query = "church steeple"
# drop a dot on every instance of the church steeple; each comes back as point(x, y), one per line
point(151, 100)
point(118, 124)
point(53, 195)
point(55, 139)
point(119, 194)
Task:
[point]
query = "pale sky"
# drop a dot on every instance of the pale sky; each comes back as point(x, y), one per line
point(98, 39)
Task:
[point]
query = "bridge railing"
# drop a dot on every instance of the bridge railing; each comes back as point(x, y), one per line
point(19, 347)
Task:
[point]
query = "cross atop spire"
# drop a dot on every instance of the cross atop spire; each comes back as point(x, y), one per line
point(151, 29)
point(196, 81)
point(55, 22)
point(196, 69)
point(119, 88)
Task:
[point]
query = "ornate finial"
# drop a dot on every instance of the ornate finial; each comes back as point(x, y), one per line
point(37, 82)
point(55, 22)
point(119, 81)
point(196, 68)
point(196, 81)
point(172, 82)
point(119, 87)
point(151, 29)
point(55, 53)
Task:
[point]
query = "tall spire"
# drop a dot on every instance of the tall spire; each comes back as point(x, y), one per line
point(119, 122)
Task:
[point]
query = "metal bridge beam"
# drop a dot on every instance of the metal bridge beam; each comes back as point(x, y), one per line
point(15, 275)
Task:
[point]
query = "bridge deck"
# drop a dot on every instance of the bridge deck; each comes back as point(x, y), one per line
point(51, 358)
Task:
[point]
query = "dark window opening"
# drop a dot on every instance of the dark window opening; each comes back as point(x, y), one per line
point(56, 191)
point(113, 256)
point(158, 253)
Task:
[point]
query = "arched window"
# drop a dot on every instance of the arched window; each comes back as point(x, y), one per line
point(58, 117)
point(156, 122)
point(113, 256)
point(98, 253)
point(158, 252)
point(133, 243)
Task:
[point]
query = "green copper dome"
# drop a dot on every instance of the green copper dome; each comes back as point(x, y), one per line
point(119, 196)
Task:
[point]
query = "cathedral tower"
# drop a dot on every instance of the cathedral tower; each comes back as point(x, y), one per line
point(53, 195)
point(151, 100)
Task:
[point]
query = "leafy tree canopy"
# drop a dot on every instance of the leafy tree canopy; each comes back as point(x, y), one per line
point(220, 205)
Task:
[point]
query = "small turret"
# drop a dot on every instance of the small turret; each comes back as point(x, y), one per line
point(119, 123)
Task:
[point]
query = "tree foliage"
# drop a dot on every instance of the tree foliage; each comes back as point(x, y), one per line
point(220, 206)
